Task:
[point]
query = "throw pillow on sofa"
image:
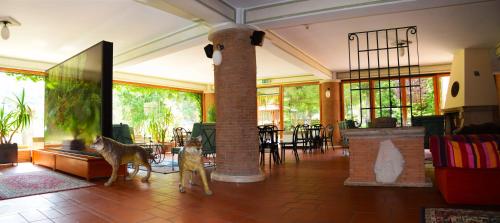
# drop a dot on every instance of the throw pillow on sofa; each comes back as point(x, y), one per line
point(472, 155)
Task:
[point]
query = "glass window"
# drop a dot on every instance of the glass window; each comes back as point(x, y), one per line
point(34, 86)
point(359, 109)
point(301, 105)
point(422, 96)
point(136, 105)
point(268, 105)
point(387, 99)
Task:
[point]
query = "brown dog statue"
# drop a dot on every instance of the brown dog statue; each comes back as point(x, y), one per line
point(116, 154)
point(190, 160)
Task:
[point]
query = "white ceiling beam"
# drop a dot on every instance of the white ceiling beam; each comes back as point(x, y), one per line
point(170, 43)
point(24, 64)
point(422, 69)
point(292, 54)
point(293, 13)
point(158, 81)
point(211, 11)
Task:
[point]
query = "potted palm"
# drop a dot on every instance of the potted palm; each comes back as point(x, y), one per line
point(10, 123)
point(159, 124)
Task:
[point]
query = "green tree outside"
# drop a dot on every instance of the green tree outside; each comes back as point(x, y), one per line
point(138, 106)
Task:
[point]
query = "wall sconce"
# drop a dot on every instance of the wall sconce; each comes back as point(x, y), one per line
point(214, 53)
point(257, 38)
point(328, 93)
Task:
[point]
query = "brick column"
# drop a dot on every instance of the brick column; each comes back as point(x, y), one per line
point(236, 102)
point(330, 107)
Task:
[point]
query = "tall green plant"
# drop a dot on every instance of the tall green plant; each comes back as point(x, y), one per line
point(159, 124)
point(16, 120)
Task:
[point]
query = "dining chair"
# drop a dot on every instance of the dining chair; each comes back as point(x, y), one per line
point(346, 124)
point(268, 140)
point(293, 145)
point(316, 137)
point(328, 136)
point(303, 137)
point(180, 136)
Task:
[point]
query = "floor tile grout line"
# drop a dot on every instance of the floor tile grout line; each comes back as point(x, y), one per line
point(18, 213)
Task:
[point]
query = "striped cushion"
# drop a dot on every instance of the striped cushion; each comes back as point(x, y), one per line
point(479, 147)
point(472, 155)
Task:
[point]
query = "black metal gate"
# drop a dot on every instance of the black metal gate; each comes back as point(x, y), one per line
point(378, 55)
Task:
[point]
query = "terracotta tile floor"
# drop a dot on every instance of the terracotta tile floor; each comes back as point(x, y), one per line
point(310, 191)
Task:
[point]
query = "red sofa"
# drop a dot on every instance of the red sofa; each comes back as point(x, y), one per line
point(466, 184)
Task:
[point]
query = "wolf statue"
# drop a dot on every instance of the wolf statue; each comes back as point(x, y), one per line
point(116, 154)
point(190, 160)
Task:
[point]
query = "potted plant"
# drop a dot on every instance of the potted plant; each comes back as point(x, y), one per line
point(159, 125)
point(10, 123)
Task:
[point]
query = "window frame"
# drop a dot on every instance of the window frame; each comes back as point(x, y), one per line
point(436, 87)
point(281, 92)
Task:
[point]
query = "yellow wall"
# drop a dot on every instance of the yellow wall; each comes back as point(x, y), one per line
point(480, 90)
point(456, 74)
point(474, 90)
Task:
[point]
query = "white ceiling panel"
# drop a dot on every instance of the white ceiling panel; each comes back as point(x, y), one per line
point(192, 65)
point(441, 31)
point(53, 30)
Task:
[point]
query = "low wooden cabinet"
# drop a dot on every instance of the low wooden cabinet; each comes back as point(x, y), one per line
point(88, 167)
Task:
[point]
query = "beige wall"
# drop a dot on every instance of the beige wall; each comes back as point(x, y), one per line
point(479, 90)
point(474, 90)
point(456, 74)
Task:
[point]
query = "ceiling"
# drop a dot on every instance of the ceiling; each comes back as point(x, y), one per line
point(253, 3)
point(156, 37)
point(54, 30)
point(191, 64)
point(441, 31)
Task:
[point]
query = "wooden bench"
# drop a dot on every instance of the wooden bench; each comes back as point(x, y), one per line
point(88, 167)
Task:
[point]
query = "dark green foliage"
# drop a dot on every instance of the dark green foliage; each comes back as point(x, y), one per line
point(301, 105)
point(141, 106)
point(211, 114)
point(22, 77)
point(423, 98)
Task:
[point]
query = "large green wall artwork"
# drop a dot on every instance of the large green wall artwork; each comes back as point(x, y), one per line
point(74, 100)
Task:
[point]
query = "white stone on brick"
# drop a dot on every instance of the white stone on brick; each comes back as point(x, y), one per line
point(389, 163)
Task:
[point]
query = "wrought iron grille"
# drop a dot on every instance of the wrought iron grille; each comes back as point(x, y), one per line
point(376, 56)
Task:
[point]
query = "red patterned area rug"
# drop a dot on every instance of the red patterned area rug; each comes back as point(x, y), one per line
point(449, 215)
point(37, 182)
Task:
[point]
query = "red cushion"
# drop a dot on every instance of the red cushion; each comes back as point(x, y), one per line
point(469, 186)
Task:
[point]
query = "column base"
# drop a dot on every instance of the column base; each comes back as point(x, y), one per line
point(237, 179)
